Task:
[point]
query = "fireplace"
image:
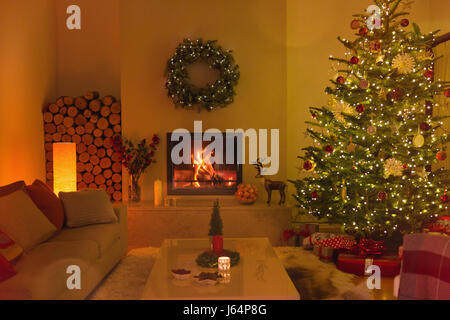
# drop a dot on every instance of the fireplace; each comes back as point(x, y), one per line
point(200, 177)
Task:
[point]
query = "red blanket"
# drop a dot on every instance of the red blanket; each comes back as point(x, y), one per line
point(425, 270)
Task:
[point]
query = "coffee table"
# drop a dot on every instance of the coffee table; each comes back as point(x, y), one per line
point(259, 275)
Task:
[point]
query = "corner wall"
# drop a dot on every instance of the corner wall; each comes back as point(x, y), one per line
point(89, 59)
point(27, 82)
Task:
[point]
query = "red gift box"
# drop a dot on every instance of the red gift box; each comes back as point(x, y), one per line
point(389, 264)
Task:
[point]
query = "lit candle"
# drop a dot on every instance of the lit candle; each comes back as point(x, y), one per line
point(224, 264)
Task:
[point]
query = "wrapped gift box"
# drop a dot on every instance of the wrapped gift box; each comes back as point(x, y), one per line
point(324, 253)
point(307, 229)
point(389, 264)
point(309, 242)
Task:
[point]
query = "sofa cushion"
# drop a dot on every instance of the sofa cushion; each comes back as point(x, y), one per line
point(50, 205)
point(87, 207)
point(103, 235)
point(10, 188)
point(21, 220)
point(42, 272)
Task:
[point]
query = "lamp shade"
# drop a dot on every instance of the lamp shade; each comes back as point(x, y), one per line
point(64, 167)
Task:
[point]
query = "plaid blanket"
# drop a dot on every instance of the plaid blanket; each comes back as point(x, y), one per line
point(425, 270)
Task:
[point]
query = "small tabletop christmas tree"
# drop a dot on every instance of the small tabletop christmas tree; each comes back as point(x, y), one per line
point(377, 138)
point(216, 221)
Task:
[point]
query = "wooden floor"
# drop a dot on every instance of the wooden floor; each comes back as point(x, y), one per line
point(385, 293)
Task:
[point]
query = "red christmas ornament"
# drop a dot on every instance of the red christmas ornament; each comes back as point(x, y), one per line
point(360, 108)
point(329, 149)
point(340, 79)
point(314, 195)
point(354, 60)
point(382, 195)
point(404, 22)
point(441, 155)
point(424, 126)
point(444, 198)
point(355, 24)
point(429, 74)
point(363, 31)
point(405, 166)
point(396, 94)
point(447, 93)
point(308, 165)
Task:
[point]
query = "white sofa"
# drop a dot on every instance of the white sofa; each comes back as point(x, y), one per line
point(42, 272)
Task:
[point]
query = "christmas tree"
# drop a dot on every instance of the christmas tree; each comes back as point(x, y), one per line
point(215, 224)
point(375, 141)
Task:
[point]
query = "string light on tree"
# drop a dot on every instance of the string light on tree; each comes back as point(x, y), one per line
point(377, 134)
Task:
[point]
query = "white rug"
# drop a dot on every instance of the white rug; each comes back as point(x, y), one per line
point(313, 278)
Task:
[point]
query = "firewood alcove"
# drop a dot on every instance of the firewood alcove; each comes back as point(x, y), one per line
point(90, 122)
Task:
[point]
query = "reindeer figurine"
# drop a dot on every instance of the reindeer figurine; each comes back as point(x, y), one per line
point(270, 185)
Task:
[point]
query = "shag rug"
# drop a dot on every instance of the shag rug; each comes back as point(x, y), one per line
point(314, 279)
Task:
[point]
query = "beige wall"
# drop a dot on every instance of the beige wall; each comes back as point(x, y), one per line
point(89, 59)
point(27, 82)
point(253, 29)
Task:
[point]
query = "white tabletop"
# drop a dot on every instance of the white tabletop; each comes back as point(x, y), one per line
point(259, 275)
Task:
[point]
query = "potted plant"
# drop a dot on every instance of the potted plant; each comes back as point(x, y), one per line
point(136, 157)
point(215, 230)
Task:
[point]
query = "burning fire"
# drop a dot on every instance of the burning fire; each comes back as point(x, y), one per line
point(203, 166)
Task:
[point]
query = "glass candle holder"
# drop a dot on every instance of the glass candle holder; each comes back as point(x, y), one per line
point(224, 264)
point(225, 277)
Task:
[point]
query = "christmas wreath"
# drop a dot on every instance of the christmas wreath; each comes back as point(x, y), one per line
point(208, 259)
point(216, 95)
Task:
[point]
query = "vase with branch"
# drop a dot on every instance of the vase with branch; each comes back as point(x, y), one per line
point(136, 157)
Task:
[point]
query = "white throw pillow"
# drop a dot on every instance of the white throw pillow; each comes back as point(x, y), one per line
point(21, 220)
point(87, 207)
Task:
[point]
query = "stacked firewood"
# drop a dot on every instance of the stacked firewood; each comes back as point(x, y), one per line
point(90, 122)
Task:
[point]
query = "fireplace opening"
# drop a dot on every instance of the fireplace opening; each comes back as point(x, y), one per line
point(200, 177)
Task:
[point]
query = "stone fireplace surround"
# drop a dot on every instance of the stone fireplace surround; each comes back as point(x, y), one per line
point(189, 218)
point(149, 225)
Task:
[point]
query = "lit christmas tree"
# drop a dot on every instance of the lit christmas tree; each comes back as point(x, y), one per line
point(375, 142)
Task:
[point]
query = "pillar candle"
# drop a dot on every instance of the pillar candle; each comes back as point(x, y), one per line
point(158, 196)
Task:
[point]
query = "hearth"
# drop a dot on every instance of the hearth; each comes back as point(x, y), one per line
point(200, 177)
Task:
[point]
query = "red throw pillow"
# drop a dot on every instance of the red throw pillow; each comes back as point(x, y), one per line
point(10, 188)
point(6, 271)
point(50, 205)
point(10, 250)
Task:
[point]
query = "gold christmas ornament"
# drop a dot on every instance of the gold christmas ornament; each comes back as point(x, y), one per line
point(404, 63)
point(393, 167)
point(341, 107)
point(344, 193)
point(364, 84)
point(372, 130)
point(418, 140)
point(382, 94)
point(380, 59)
point(351, 147)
